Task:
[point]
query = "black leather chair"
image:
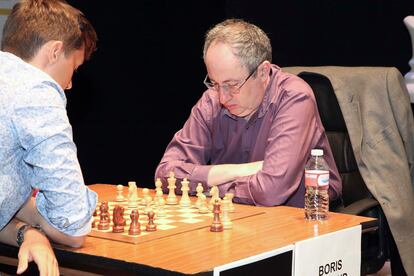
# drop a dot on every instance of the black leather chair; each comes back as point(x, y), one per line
point(377, 243)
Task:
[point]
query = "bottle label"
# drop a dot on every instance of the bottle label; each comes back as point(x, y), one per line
point(316, 178)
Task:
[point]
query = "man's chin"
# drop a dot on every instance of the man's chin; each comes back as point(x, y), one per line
point(241, 114)
point(233, 109)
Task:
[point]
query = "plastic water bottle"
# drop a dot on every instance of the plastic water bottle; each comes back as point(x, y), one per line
point(317, 185)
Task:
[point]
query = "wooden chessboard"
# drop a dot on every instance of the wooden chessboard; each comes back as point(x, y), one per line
point(177, 220)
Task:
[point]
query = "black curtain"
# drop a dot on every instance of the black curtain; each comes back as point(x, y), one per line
point(138, 89)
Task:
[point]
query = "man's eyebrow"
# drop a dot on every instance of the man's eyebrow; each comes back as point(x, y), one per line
point(226, 81)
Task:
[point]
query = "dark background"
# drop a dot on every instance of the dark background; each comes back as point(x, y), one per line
point(138, 89)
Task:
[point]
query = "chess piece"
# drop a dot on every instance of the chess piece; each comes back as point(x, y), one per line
point(156, 202)
point(199, 191)
point(151, 226)
point(135, 226)
point(103, 223)
point(230, 197)
point(95, 213)
point(148, 207)
point(214, 192)
point(203, 209)
point(132, 185)
point(118, 219)
point(225, 207)
point(217, 226)
point(158, 188)
point(161, 208)
point(146, 198)
point(409, 77)
point(171, 198)
point(132, 195)
point(143, 201)
point(185, 199)
point(119, 193)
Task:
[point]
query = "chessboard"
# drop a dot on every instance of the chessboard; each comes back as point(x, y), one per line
point(177, 220)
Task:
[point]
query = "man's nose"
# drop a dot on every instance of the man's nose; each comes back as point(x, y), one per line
point(224, 96)
point(69, 86)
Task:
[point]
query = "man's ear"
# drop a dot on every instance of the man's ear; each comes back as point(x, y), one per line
point(264, 70)
point(55, 49)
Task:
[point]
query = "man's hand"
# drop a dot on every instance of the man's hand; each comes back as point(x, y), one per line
point(36, 247)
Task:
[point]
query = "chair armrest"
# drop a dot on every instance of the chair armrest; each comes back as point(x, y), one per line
point(359, 207)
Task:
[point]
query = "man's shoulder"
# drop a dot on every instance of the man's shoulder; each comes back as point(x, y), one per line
point(291, 85)
point(207, 107)
point(17, 75)
point(290, 80)
point(209, 101)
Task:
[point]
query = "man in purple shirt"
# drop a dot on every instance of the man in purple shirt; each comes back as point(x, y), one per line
point(252, 131)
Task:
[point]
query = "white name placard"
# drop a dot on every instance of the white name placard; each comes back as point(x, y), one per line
point(334, 254)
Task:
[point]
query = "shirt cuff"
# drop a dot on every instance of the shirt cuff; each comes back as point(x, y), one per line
point(200, 175)
point(69, 219)
point(241, 191)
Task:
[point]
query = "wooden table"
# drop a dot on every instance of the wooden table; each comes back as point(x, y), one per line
point(199, 251)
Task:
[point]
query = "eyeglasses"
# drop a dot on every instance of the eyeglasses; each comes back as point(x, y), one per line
point(228, 88)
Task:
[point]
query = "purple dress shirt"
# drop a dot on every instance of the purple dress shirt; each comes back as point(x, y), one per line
point(282, 133)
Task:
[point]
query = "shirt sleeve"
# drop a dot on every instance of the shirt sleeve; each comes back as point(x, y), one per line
point(45, 133)
point(188, 152)
point(292, 134)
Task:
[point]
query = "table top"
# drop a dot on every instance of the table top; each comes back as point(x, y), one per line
point(201, 250)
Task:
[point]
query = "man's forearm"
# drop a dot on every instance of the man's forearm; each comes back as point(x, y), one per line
point(34, 246)
point(9, 233)
point(29, 214)
point(224, 173)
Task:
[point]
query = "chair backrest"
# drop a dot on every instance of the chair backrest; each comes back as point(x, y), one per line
point(353, 186)
point(376, 246)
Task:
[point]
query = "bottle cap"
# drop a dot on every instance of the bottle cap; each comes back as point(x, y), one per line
point(317, 152)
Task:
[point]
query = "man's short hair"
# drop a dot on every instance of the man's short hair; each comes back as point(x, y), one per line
point(32, 23)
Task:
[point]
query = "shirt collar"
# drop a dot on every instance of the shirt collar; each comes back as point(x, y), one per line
point(267, 99)
point(39, 75)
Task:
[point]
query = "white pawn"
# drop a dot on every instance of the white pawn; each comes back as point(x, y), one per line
point(225, 219)
point(119, 193)
point(203, 205)
point(148, 207)
point(199, 190)
point(214, 192)
point(161, 205)
point(185, 199)
point(171, 198)
point(158, 188)
point(231, 205)
point(146, 198)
